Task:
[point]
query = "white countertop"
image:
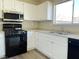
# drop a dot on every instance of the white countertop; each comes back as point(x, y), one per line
point(67, 35)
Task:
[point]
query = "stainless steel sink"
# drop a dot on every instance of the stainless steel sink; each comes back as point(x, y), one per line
point(62, 33)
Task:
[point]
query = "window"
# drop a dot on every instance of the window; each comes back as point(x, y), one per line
point(64, 12)
point(76, 11)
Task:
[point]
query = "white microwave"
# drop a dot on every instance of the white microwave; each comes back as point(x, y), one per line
point(10, 16)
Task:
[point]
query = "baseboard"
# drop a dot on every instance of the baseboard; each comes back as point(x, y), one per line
point(41, 53)
point(29, 49)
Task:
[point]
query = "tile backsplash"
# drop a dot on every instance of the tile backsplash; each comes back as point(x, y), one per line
point(73, 28)
point(29, 25)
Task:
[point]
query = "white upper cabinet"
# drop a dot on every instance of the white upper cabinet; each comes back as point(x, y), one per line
point(1, 5)
point(45, 11)
point(9, 5)
point(1, 8)
point(19, 6)
point(30, 12)
point(13, 5)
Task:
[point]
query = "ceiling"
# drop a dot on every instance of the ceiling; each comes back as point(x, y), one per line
point(36, 2)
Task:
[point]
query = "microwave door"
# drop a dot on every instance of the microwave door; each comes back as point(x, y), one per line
point(12, 17)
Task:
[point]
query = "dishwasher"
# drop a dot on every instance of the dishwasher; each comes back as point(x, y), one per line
point(73, 48)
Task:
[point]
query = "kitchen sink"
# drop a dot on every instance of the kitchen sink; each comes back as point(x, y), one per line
point(62, 33)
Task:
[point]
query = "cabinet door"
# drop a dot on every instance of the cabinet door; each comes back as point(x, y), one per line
point(45, 11)
point(2, 45)
point(44, 45)
point(19, 6)
point(30, 40)
point(59, 52)
point(55, 47)
point(30, 11)
point(1, 7)
point(42, 11)
point(9, 5)
point(60, 46)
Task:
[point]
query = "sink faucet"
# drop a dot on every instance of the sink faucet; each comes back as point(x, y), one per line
point(63, 30)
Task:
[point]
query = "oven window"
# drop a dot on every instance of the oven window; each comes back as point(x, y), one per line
point(11, 16)
point(14, 41)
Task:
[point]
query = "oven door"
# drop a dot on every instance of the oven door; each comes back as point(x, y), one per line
point(14, 45)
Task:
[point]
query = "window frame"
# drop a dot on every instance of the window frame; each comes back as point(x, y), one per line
point(54, 17)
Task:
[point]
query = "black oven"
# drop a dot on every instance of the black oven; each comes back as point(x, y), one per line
point(15, 39)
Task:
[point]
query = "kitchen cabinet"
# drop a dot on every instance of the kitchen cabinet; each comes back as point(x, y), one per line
point(60, 47)
point(9, 5)
point(45, 11)
point(2, 45)
point(55, 47)
point(30, 11)
point(31, 39)
point(13, 5)
point(1, 7)
point(43, 44)
point(19, 6)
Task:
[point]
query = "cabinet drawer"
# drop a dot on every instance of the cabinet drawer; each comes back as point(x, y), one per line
point(54, 39)
point(45, 36)
point(60, 40)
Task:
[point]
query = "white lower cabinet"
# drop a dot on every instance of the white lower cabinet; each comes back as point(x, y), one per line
point(59, 52)
point(59, 47)
point(31, 40)
point(43, 45)
point(55, 47)
point(2, 45)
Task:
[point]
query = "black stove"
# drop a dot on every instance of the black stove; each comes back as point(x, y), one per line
point(15, 39)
